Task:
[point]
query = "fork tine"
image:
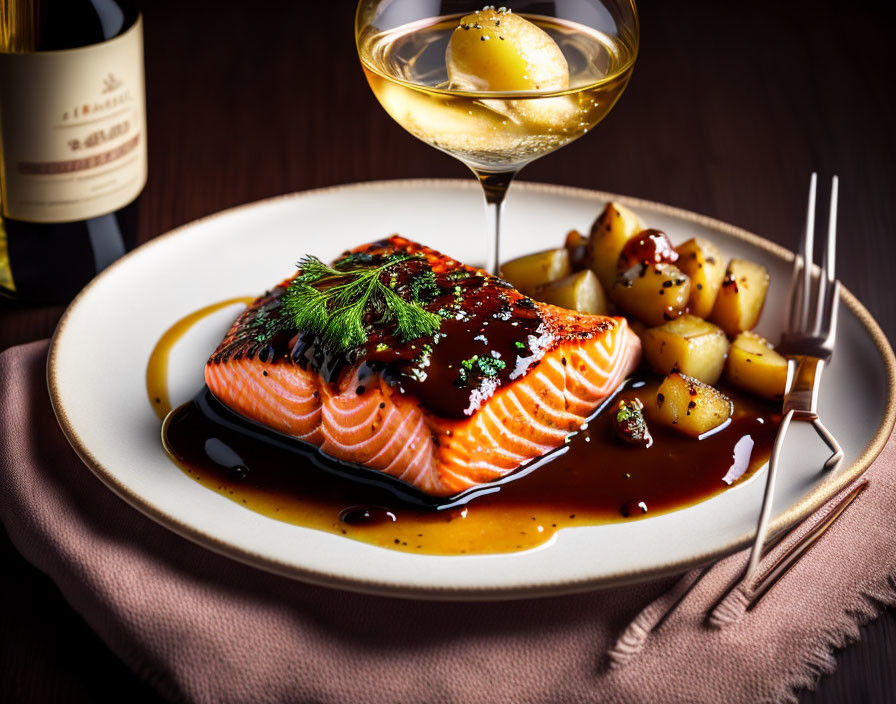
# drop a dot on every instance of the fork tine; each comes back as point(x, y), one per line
point(795, 293)
point(830, 332)
point(830, 254)
point(807, 251)
point(826, 275)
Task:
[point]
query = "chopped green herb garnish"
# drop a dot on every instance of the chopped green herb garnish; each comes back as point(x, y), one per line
point(424, 286)
point(483, 367)
point(265, 325)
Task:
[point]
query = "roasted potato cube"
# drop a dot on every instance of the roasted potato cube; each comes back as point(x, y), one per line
point(526, 273)
point(689, 345)
point(753, 365)
point(690, 406)
point(703, 262)
point(741, 296)
point(655, 293)
point(577, 246)
point(615, 226)
point(580, 291)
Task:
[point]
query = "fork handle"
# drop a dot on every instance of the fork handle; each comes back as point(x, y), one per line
point(765, 513)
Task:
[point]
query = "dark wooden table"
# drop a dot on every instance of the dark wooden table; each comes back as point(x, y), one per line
point(730, 108)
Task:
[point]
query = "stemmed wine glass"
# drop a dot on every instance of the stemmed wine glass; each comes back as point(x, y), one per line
point(497, 87)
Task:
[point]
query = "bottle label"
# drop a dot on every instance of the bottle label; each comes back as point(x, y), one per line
point(73, 130)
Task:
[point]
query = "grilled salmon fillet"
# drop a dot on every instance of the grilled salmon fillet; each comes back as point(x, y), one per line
point(504, 380)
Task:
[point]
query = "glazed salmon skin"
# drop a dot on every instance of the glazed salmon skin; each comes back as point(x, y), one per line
point(502, 381)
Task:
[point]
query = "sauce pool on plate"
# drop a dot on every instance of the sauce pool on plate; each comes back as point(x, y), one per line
point(594, 479)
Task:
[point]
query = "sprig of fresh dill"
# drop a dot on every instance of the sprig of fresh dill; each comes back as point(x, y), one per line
point(334, 302)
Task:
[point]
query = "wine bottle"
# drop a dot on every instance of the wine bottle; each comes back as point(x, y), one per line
point(72, 142)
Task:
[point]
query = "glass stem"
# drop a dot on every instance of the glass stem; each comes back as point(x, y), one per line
point(495, 186)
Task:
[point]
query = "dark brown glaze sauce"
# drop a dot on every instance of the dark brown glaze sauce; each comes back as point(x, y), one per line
point(594, 479)
point(476, 349)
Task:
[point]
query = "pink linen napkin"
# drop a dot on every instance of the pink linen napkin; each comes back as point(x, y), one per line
point(201, 627)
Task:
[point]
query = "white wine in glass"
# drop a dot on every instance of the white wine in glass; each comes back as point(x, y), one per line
point(497, 87)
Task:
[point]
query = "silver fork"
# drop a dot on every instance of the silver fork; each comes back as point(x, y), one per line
point(808, 345)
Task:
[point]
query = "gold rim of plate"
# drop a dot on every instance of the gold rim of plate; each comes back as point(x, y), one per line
point(791, 516)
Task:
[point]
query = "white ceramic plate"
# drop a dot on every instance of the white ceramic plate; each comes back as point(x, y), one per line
point(98, 359)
